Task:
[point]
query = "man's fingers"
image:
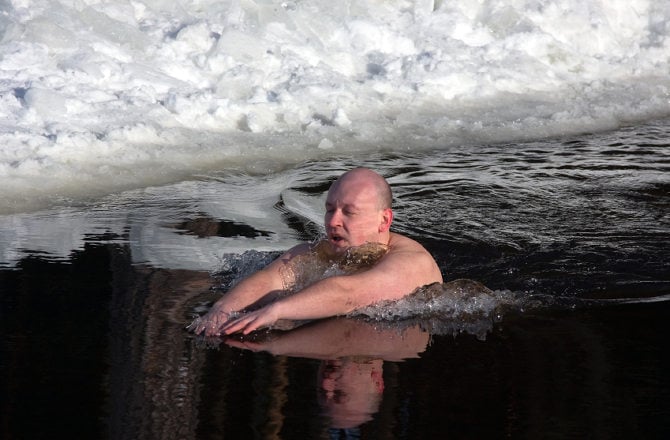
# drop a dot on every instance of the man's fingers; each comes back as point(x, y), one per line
point(211, 324)
point(232, 326)
point(238, 326)
point(244, 325)
point(253, 325)
point(200, 326)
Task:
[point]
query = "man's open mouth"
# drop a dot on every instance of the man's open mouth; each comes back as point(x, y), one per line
point(336, 239)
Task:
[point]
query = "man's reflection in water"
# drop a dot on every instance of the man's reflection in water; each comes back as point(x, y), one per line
point(352, 353)
point(350, 392)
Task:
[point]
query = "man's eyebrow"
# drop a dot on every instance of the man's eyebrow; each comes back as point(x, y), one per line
point(346, 206)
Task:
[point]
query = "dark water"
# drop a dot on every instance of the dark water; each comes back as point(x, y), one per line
point(94, 346)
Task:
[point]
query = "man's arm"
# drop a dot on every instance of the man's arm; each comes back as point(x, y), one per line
point(396, 275)
point(252, 290)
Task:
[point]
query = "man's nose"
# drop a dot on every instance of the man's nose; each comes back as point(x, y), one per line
point(334, 218)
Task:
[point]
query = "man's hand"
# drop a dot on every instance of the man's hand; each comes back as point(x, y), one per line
point(212, 323)
point(247, 323)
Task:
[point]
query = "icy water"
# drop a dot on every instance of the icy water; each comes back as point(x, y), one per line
point(570, 234)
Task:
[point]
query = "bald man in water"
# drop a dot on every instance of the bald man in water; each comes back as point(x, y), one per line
point(358, 211)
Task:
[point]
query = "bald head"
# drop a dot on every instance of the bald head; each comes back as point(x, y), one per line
point(358, 210)
point(364, 178)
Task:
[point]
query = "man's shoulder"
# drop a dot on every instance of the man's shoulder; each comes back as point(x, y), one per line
point(407, 257)
point(300, 249)
point(402, 243)
point(295, 251)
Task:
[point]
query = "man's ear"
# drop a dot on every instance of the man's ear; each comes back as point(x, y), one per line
point(387, 219)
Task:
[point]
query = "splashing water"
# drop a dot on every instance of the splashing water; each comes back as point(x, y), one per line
point(322, 262)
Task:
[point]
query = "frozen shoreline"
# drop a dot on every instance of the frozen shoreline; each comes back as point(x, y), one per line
point(97, 98)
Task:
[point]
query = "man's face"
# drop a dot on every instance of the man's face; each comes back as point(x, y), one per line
point(353, 215)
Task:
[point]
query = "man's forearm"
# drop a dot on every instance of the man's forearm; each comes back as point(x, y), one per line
point(329, 297)
point(247, 292)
